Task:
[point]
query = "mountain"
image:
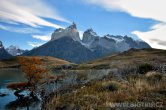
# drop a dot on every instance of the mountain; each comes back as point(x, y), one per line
point(70, 32)
point(66, 44)
point(89, 36)
point(14, 51)
point(111, 43)
point(3, 53)
point(64, 48)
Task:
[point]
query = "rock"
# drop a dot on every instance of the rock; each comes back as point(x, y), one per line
point(3, 53)
point(70, 32)
point(14, 51)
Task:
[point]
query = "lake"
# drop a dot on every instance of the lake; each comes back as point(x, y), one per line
point(8, 101)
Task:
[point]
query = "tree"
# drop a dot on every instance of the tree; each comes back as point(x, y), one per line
point(35, 73)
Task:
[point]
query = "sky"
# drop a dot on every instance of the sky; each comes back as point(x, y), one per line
point(29, 23)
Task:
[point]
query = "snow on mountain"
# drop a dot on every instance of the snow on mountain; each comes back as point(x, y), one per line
point(89, 36)
point(3, 53)
point(116, 38)
point(110, 42)
point(15, 50)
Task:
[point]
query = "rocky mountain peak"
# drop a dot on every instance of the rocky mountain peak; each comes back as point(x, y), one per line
point(116, 38)
point(73, 26)
point(13, 47)
point(127, 37)
point(1, 45)
point(15, 50)
point(3, 53)
point(108, 35)
point(70, 32)
point(89, 36)
point(59, 30)
point(91, 32)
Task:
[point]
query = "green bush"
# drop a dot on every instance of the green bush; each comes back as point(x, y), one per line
point(144, 68)
point(113, 86)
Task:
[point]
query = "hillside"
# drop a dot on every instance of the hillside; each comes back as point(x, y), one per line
point(132, 77)
point(72, 51)
point(132, 57)
point(48, 61)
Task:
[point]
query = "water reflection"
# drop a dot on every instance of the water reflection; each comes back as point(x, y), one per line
point(23, 103)
point(7, 99)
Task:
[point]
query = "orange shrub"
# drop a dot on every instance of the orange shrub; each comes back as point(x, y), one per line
point(33, 68)
point(16, 86)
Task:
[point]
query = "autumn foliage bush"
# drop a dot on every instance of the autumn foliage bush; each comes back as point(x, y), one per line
point(33, 68)
point(35, 73)
point(15, 86)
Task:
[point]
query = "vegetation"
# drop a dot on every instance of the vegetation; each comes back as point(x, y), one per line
point(99, 94)
point(35, 74)
point(144, 68)
point(47, 61)
point(133, 76)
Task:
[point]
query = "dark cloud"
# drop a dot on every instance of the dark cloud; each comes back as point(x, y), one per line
point(160, 42)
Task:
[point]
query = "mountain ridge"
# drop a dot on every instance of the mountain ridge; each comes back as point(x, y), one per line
point(14, 50)
point(3, 53)
point(67, 45)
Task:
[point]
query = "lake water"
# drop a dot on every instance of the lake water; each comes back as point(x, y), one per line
point(8, 101)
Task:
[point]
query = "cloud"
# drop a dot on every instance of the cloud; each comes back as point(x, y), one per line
point(27, 30)
point(8, 22)
point(154, 36)
point(34, 44)
point(29, 12)
point(153, 9)
point(159, 42)
point(42, 37)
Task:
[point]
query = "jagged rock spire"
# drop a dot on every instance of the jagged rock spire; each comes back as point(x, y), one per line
point(1, 45)
point(73, 26)
point(90, 31)
point(70, 32)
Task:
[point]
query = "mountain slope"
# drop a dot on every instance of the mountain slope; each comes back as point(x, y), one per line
point(129, 77)
point(3, 53)
point(64, 48)
point(132, 57)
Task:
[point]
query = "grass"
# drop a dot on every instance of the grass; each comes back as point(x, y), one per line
point(98, 94)
point(132, 57)
point(143, 80)
point(48, 61)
